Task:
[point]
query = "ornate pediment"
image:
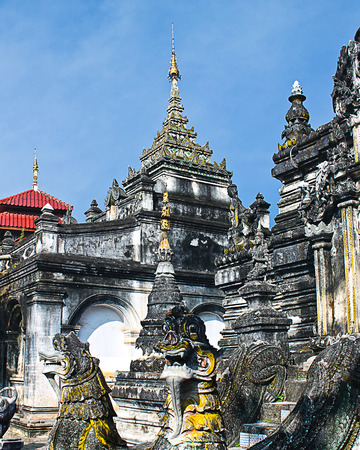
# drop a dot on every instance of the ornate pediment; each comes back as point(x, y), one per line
point(346, 93)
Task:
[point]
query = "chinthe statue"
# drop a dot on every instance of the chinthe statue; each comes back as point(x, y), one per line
point(192, 419)
point(85, 418)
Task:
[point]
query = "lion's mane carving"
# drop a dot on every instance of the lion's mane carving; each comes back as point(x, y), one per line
point(327, 415)
point(85, 419)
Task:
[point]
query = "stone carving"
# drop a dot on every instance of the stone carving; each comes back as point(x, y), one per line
point(8, 243)
point(253, 374)
point(8, 398)
point(236, 215)
point(319, 198)
point(248, 233)
point(327, 414)
point(346, 93)
point(260, 258)
point(85, 418)
point(7, 246)
point(68, 218)
point(193, 416)
point(115, 194)
point(245, 222)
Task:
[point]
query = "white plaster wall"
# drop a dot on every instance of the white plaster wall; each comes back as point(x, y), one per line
point(110, 337)
point(214, 325)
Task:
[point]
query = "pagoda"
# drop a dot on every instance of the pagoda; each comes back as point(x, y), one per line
point(18, 212)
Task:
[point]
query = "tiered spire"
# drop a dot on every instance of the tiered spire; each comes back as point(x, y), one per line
point(35, 172)
point(175, 141)
point(165, 293)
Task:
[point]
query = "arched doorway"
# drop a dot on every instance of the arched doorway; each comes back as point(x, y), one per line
point(212, 315)
point(111, 328)
point(11, 341)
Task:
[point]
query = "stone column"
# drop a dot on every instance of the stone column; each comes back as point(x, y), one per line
point(349, 213)
point(354, 122)
point(42, 321)
point(47, 231)
point(356, 138)
point(262, 322)
point(324, 284)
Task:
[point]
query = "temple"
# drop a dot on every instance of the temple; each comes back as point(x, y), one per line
point(95, 277)
point(176, 244)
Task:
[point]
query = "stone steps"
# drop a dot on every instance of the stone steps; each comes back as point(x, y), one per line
point(272, 414)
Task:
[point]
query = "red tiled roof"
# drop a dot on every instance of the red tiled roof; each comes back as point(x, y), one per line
point(11, 220)
point(35, 199)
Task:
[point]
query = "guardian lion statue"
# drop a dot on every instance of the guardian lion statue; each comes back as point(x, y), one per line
point(193, 418)
point(85, 419)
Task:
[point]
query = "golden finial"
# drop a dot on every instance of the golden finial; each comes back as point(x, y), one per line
point(174, 71)
point(165, 222)
point(35, 171)
point(166, 195)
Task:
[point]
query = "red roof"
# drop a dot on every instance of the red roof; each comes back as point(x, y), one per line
point(35, 199)
point(11, 220)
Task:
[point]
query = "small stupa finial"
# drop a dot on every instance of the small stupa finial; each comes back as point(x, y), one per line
point(35, 172)
point(174, 71)
point(297, 92)
point(174, 74)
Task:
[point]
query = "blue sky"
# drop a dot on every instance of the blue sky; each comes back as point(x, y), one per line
point(85, 83)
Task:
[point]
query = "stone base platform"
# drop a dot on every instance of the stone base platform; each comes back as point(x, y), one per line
point(11, 444)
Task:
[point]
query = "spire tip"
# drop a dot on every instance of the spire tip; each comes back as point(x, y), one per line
point(35, 172)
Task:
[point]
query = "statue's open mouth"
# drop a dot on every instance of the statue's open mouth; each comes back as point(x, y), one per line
point(175, 353)
point(176, 371)
point(56, 363)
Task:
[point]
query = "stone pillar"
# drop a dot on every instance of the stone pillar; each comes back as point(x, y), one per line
point(324, 284)
point(356, 138)
point(349, 213)
point(46, 231)
point(354, 122)
point(42, 321)
point(262, 322)
point(145, 195)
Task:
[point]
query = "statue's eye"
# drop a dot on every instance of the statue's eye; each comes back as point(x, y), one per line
point(193, 330)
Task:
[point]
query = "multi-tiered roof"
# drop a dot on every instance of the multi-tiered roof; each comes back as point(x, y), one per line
point(18, 212)
point(175, 143)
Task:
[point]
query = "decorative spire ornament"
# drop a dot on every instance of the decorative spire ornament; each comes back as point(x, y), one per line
point(35, 172)
point(174, 74)
point(297, 118)
point(183, 147)
point(165, 293)
point(164, 251)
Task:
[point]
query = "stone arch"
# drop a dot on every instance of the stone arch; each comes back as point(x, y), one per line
point(111, 325)
point(11, 340)
point(212, 315)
